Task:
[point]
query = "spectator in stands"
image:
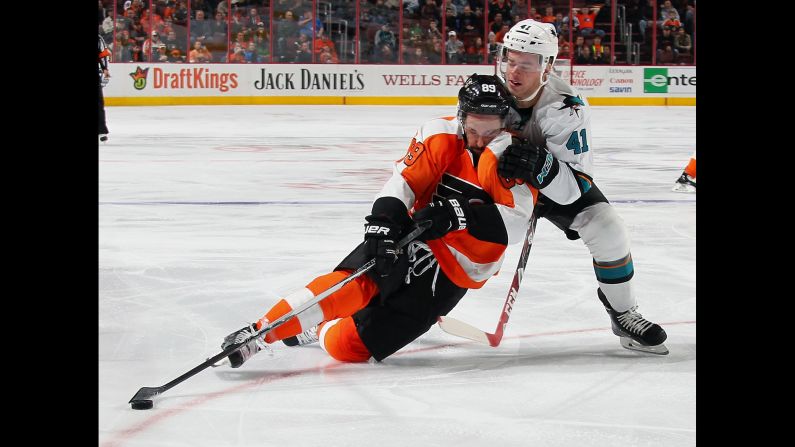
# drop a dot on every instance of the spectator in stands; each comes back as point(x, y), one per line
point(564, 52)
point(322, 42)
point(149, 46)
point(471, 26)
point(690, 14)
point(519, 7)
point(253, 19)
point(151, 21)
point(559, 24)
point(263, 48)
point(308, 25)
point(666, 43)
point(549, 15)
point(666, 55)
point(434, 52)
point(579, 43)
point(411, 8)
point(417, 57)
point(502, 7)
point(458, 5)
point(433, 30)
point(585, 57)
point(672, 21)
point(501, 33)
point(454, 49)
point(564, 27)
point(492, 47)
point(200, 27)
point(451, 20)
point(199, 54)
point(385, 36)
point(607, 57)
point(250, 53)
point(430, 10)
point(326, 57)
point(668, 11)
point(122, 47)
point(286, 33)
point(159, 53)
point(475, 51)
point(682, 42)
point(303, 55)
point(646, 15)
point(218, 40)
point(385, 55)
point(180, 15)
point(597, 48)
point(587, 19)
point(241, 38)
point(176, 56)
point(533, 14)
point(497, 24)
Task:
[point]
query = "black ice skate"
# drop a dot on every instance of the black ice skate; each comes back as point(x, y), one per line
point(309, 336)
point(636, 333)
point(684, 183)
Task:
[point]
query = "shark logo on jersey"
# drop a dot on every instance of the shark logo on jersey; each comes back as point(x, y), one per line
point(573, 102)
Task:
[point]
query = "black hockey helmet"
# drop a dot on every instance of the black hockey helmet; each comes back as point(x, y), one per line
point(484, 95)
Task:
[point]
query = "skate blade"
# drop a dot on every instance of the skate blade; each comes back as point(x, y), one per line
point(679, 187)
point(632, 345)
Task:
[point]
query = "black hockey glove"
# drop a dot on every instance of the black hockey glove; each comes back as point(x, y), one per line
point(529, 163)
point(446, 215)
point(381, 235)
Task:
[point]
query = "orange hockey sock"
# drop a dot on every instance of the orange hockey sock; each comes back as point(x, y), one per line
point(691, 168)
point(346, 301)
point(288, 329)
point(341, 341)
point(353, 296)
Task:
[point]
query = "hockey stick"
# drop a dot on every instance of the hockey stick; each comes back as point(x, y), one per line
point(142, 400)
point(461, 329)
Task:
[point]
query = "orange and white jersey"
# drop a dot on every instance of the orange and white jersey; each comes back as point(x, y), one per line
point(438, 165)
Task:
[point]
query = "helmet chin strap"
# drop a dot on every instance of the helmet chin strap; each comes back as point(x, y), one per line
point(535, 93)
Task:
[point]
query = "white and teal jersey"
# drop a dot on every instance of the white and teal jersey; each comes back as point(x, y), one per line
point(561, 121)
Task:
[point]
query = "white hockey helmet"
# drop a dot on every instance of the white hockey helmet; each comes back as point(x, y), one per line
point(529, 36)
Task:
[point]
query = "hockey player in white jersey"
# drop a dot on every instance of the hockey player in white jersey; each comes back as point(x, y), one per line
point(552, 150)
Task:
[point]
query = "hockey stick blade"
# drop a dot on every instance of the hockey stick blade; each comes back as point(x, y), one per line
point(142, 399)
point(146, 393)
point(464, 330)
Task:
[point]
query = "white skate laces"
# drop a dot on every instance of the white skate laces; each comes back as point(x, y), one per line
point(633, 322)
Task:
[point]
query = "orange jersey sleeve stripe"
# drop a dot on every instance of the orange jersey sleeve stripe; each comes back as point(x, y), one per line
point(477, 251)
point(451, 267)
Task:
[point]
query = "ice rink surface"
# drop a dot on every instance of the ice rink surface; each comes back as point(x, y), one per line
point(207, 215)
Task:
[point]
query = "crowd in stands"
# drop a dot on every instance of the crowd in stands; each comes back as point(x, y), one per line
point(384, 31)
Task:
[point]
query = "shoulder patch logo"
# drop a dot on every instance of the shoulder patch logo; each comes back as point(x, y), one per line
point(572, 102)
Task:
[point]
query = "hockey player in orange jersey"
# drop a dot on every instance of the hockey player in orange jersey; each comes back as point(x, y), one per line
point(687, 181)
point(448, 177)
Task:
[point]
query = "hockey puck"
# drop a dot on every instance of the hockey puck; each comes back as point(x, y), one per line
point(142, 404)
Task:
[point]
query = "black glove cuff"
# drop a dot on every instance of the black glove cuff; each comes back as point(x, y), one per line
point(392, 209)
